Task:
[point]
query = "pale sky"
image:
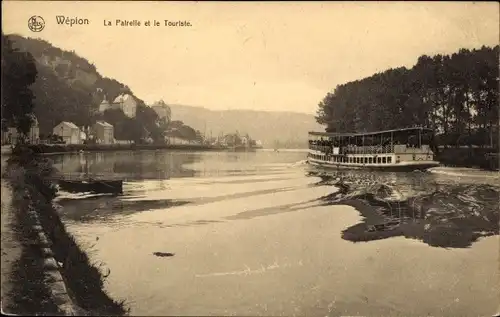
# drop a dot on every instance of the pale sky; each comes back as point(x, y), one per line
point(280, 56)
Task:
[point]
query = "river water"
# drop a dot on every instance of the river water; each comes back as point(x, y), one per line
point(263, 234)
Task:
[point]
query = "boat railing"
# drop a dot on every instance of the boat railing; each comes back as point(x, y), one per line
point(320, 148)
point(373, 149)
point(370, 149)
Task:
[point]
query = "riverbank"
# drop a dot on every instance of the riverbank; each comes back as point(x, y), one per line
point(33, 194)
point(27, 291)
point(68, 148)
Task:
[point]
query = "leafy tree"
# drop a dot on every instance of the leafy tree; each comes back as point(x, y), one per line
point(455, 94)
point(18, 74)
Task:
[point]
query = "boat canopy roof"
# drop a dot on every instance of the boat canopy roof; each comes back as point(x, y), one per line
point(333, 134)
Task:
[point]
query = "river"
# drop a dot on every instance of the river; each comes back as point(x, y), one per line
point(261, 234)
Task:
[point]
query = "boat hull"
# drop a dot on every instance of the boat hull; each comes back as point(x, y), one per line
point(403, 166)
point(94, 186)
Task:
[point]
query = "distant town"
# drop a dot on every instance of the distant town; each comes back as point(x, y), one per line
point(102, 132)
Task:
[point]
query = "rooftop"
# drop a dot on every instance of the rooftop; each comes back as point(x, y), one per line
point(69, 124)
point(333, 134)
point(103, 123)
point(122, 98)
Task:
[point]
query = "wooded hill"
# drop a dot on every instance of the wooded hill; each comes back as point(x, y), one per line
point(455, 94)
point(69, 88)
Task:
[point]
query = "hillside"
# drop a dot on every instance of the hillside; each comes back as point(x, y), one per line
point(288, 128)
point(69, 88)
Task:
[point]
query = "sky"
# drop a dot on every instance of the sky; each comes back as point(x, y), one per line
point(278, 56)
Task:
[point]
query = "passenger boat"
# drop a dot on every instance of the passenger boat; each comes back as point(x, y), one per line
point(401, 149)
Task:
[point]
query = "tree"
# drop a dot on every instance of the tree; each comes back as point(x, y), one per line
point(456, 95)
point(18, 74)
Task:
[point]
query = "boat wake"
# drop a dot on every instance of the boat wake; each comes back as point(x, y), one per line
point(412, 205)
point(299, 163)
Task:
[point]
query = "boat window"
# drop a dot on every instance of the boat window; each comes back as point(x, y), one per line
point(379, 160)
point(366, 160)
point(370, 160)
point(384, 160)
point(389, 160)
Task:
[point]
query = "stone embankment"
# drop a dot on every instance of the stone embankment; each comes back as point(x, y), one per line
point(71, 284)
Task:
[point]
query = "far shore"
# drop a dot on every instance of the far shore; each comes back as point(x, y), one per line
point(73, 148)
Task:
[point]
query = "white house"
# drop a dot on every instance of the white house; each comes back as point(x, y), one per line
point(176, 140)
point(68, 131)
point(127, 103)
point(163, 110)
point(103, 132)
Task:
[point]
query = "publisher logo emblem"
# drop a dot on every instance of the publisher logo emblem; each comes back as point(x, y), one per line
point(36, 23)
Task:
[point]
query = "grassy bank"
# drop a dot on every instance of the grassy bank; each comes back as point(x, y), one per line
point(29, 174)
point(67, 148)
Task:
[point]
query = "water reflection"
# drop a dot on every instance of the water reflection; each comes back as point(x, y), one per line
point(439, 211)
point(149, 177)
point(129, 165)
point(259, 238)
point(140, 165)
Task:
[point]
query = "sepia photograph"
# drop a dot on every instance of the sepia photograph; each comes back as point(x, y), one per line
point(267, 158)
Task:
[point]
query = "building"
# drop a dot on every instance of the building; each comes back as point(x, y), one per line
point(127, 103)
point(11, 135)
point(105, 105)
point(163, 110)
point(176, 140)
point(103, 132)
point(68, 131)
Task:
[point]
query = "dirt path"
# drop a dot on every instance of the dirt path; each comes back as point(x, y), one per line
point(11, 248)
